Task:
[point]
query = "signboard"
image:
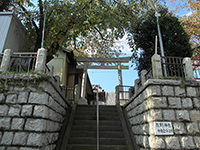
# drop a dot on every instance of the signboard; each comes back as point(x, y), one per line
point(163, 128)
point(102, 96)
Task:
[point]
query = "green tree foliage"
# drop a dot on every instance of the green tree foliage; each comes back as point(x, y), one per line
point(191, 21)
point(4, 4)
point(88, 27)
point(142, 38)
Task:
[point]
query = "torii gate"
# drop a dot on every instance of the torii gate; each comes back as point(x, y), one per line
point(102, 61)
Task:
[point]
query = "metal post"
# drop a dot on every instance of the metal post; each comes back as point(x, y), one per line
point(97, 120)
point(161, 44)
point(43, 30)
point(153, 6)
point(156, 44)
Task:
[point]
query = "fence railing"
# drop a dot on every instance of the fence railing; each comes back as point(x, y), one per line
point(123, 94)
point(70, 93)
point(196, 68)
point(22, 62)
point(174, 66)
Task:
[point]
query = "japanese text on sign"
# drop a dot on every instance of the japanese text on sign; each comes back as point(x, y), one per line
point(163, 128)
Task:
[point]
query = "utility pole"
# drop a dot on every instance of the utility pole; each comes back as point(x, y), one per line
point(157, 15)
point(43, 29)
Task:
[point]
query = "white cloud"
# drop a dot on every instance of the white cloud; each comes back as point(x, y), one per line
point(188, 14)
point(124, 44)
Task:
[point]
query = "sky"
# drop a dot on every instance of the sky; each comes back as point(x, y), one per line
point(108, 79)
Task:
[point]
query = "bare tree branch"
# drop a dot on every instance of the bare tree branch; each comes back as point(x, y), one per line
point(99, 33)
point(30, 16)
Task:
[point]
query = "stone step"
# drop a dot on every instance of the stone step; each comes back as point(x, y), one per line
point(93, 113)
point(114, 110)
point(93, 128)
point(102, 134)
point(93, 141)
point(94, 122)
point(93, 147)
point(88, 117)
point(84, 129)
point(94, 108)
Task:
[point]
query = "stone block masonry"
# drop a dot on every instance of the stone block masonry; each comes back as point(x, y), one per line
point(166, 101)
point(32, 110)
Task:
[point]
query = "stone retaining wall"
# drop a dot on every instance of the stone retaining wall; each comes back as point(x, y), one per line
point(166, 101)
point(32, 110)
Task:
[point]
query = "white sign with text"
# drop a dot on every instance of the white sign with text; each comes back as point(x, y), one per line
point(163, 128)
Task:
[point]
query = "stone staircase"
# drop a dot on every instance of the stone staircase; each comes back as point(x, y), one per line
point(83, 129)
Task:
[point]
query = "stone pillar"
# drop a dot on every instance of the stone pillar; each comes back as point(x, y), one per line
point(41, 61)
point(117, 95)
point(120, 73)
point(76, 93)
point(84, 81)
point(136, 88)
point(5, 63)
point(143, 78)
point(120, 87)
point(156, 66)
point(83, 100)
point(188, 69)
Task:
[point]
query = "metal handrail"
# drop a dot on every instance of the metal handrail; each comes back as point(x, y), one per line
point(97, 120)
point(97, 98)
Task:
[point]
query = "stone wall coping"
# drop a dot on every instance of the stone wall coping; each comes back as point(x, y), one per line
point(56, 86)
point(19, 76)
point(164, 82)
point(35, 76)
point(170, 82)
